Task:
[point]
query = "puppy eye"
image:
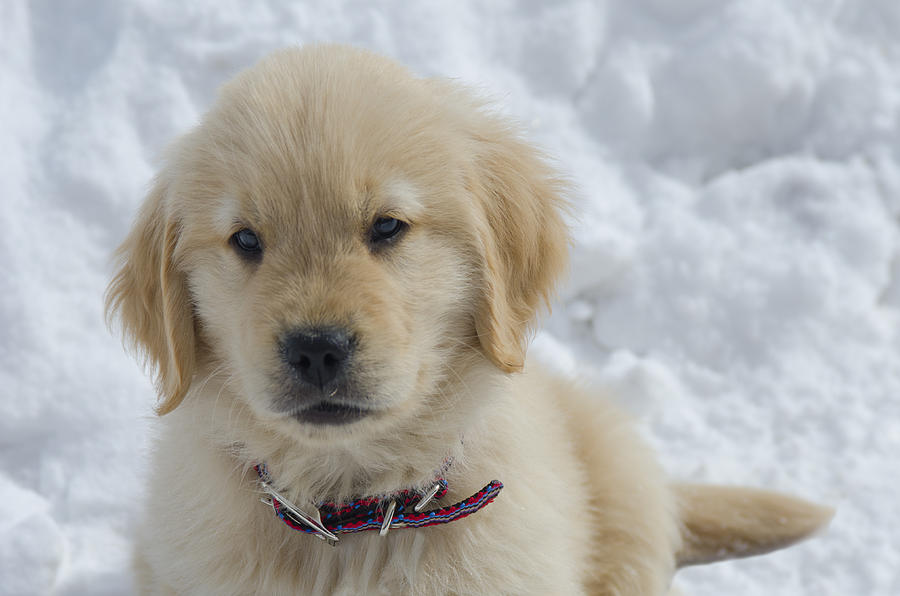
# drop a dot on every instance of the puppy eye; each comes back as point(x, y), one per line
point(247, 243)
point(385, 229)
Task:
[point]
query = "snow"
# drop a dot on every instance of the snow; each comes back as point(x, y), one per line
point(736, 270)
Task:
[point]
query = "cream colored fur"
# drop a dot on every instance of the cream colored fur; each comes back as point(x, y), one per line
point(307, 149)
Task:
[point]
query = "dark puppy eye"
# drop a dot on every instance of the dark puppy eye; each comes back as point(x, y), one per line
point(246, 242)
point(385, 229)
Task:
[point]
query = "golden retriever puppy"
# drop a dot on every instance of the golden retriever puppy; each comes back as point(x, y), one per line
point(334, 277)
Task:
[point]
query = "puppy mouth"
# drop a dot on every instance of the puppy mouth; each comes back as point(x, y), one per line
point(331, 413)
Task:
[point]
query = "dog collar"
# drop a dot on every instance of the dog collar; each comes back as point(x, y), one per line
point(404, 509)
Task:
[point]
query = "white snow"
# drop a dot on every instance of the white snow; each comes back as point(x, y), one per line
point(736, 272)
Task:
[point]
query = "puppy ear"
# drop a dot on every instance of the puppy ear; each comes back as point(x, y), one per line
point(523, 242)
point(150, 297)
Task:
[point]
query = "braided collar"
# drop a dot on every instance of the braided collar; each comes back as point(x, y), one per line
point(403, 509)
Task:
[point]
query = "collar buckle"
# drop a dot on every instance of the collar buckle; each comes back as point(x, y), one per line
point(427, 497)
point(313, 521)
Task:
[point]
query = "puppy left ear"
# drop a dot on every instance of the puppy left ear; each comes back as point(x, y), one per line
point(523, 242)
point(150, 297)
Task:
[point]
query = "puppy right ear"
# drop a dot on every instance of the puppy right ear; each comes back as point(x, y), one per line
point(149, 296)
point(522, 240)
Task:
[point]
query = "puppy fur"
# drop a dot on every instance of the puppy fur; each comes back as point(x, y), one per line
point(307, 149)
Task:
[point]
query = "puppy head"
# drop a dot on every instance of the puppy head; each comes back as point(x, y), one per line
point(342, 241)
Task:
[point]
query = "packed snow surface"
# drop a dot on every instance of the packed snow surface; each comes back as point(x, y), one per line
point(736, 270)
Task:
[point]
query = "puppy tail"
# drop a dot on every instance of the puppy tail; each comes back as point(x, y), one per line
point(724, 522)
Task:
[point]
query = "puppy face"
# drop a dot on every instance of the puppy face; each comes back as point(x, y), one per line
point(342, 241)
point(340, 300)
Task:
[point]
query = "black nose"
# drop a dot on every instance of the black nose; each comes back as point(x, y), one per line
point(318, 355)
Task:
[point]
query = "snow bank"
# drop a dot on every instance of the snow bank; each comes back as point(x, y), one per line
point(736, 278)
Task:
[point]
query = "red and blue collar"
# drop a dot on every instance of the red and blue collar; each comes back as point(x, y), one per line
point(404, 509)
